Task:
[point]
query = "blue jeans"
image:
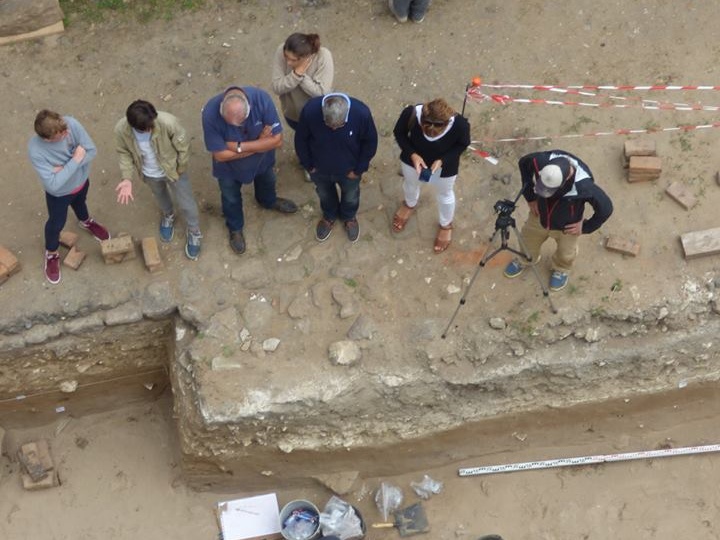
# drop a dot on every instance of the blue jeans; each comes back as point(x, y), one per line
point(57, 214)
point(415, 9)
point(161, 189)
point(231, 197)
point(343, 206)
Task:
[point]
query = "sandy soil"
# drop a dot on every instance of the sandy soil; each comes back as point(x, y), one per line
point(120, 480)
point(123, 483)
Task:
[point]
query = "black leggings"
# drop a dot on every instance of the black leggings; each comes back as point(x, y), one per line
point(57, 214)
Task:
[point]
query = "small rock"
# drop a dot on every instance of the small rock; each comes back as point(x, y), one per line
point(270, 344)
point(68, 387)
point(41, 333)
point(294, 253)
point(498, 323)
point(344, 353)
point(124, 314)
point(220, 363)
point(158, 301)
point(344, 297)
point(362, 328)
point(340, 483)
point(592, 335)
point(453, 289)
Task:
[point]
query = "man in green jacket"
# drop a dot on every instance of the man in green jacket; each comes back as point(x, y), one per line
point(154, 145)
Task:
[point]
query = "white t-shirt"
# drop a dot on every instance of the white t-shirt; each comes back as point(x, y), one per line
point(150, 166)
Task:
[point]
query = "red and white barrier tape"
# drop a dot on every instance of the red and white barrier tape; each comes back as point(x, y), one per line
point(574, 88)
point(602, 133)
point(504, 99)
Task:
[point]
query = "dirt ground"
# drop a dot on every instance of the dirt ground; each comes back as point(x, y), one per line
point(120, 479)
point(94, 70)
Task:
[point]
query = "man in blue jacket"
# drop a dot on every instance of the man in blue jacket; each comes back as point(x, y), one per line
point(242, 130)
point(556, 185)
point(335, 141)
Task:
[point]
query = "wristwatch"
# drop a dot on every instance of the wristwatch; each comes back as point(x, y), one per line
point(239, 148)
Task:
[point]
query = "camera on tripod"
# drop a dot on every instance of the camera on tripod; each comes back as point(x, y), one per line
point(504, 207)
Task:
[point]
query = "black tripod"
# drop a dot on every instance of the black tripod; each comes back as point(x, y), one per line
point(504, 222)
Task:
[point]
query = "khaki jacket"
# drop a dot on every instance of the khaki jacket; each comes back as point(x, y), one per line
point(168, 139)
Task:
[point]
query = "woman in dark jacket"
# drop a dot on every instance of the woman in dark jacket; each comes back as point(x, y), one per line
point(432, 137)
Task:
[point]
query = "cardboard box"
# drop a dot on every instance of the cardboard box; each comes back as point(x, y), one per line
point(251, 518)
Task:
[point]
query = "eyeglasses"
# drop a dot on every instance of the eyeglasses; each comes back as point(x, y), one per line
point(433, 123)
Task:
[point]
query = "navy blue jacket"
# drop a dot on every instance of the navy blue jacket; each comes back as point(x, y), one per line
point(336, 151)
point(566, 206)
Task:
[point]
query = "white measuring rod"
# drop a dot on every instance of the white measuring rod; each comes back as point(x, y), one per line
point(588, 460)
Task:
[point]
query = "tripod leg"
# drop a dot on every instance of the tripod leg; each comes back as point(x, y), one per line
point(525, 251)
point(488, 255)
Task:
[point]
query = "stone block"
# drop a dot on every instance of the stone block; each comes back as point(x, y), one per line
point(639, 147)
point(622, 245)
point(51, 480)
point(117, 250)
point(644, 168)
point(74, 258)
point(151, 254)
point(68, 239)
point(681, 194)
point(35, 459)
point(700, 243)
point(9, 261)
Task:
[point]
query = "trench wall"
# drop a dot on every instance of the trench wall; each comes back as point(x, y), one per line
point(244, 419)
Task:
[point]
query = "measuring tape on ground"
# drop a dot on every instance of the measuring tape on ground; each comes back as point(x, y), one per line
point(588, 460)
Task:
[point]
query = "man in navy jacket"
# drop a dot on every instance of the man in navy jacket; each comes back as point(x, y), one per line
point(556, 185)
point(335, 141)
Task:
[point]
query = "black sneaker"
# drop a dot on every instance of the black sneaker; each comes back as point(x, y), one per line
point(352, 229)
point(284, 206)
point(323, 229)
point(237, 242)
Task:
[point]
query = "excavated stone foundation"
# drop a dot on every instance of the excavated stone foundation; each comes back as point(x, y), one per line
point(247, 417)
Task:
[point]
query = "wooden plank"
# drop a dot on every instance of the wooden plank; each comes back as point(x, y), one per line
point(701, 243)
point(49, 30)
point(622, 245)
point(680, 193)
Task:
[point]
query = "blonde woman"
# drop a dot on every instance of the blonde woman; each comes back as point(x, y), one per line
point(432, 137)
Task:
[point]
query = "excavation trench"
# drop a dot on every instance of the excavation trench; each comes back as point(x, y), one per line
point(261, 424)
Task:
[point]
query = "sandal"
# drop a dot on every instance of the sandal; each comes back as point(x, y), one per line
point(401, 217)
point(443, 238)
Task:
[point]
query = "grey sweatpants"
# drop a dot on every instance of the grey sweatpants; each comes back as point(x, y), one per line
point(182, 190)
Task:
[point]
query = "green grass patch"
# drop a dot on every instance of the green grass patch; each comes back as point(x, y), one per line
point(140, 10)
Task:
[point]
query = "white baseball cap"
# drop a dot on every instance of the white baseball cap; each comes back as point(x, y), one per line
point(551, 177)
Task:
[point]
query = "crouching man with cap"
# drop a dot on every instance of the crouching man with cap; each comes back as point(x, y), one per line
point(557, 185)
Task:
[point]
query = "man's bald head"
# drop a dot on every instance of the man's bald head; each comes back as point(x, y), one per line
point(235, 107)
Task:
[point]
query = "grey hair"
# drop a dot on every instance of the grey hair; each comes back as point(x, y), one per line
point(235, 96)
point(335, 110)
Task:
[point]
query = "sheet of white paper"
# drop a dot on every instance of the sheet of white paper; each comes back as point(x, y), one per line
point(249, 517)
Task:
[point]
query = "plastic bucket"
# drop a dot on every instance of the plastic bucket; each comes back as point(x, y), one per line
point(300, 520)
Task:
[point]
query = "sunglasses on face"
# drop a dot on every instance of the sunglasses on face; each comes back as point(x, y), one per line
point(433, 123)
